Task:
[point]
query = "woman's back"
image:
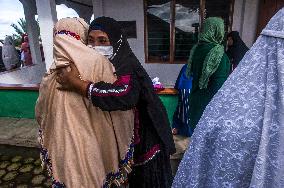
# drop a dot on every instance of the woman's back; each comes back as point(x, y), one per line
point(199, 98)
point(198, 60)
point(197, 63)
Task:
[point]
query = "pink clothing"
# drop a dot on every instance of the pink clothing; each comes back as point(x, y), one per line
point(27, 53)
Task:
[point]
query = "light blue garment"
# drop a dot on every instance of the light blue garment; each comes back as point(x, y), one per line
point(239, 141)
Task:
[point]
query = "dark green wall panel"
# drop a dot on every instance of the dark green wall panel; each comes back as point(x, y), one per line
point(20, 104)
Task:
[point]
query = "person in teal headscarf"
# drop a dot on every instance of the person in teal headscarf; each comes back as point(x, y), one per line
point(209, 66)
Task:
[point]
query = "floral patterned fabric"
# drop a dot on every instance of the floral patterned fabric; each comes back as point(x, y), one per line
point(238, 142)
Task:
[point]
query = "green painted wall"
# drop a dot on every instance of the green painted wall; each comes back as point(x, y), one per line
point(170, 102)
point(20, 104)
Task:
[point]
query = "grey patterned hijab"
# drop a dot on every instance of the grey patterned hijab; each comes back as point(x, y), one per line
point(239, 139)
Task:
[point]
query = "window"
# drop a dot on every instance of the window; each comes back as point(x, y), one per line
point(172, 26)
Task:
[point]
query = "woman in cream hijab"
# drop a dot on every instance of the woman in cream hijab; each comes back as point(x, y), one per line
point(81, 145)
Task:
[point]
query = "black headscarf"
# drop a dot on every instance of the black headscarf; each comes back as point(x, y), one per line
point(126, 63)
point(237, 51)
point(123, 58)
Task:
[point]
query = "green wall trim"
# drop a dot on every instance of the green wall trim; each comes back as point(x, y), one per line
point(17, 104)
point(170, 102)
point(20, 104)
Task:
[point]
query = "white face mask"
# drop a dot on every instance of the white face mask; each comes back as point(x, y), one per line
point(106, 51)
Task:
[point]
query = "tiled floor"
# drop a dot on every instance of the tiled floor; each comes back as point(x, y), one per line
point(22, 172)
point(18, 132)
point(20, 166)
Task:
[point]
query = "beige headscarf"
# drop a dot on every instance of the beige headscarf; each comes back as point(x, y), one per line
point(85, 146)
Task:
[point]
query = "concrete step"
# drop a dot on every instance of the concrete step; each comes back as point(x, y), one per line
point(18, 132)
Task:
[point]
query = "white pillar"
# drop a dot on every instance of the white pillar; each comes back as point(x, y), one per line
point(250, 22)
point(98, 8)
point(84, 13)
point(33, 32)
point(239, 8)
point(245, 19)
point(47, 16)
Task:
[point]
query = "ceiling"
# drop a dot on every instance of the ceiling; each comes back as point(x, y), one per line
point(87, 3)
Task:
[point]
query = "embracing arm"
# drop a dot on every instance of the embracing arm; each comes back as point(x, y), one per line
point(121, 95)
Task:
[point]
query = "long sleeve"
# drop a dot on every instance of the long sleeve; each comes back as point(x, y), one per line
point(121, 95)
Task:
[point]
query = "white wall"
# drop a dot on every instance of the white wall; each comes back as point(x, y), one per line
point(245, 19)
point(238, 15)
point(121, 12)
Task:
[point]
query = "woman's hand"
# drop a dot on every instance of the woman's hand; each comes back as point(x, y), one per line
point(174, 131)
point(71, 81)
